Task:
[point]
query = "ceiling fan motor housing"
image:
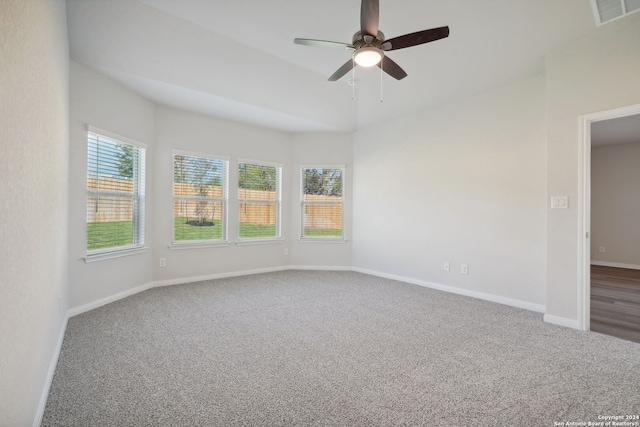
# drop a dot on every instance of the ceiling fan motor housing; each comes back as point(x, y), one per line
point(360, 40)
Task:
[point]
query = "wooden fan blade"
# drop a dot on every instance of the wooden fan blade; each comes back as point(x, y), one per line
point(369, 17)
point(414, 39)
point(348, 66)
point(391, 68)
point(323, 43)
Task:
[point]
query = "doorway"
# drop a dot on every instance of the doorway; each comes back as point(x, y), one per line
point(611, 126)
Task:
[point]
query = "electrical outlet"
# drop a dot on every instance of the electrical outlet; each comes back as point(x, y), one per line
point(464, 269)
point(446, 266)
point(286, 251)
point(163, 262)
point(601, 249)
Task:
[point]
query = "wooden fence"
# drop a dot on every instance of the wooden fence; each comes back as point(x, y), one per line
point(111, 209)
point(323, 216)
point(196, 208)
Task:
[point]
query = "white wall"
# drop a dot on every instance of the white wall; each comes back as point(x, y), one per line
point(463, 183)
point(33, 201)
point(594, 75)
point(98, 101)
point(615, 203)
point(322, 149)
point(181, 130)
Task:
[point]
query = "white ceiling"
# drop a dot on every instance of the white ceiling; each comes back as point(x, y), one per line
point(236, 58)
point(621, 130)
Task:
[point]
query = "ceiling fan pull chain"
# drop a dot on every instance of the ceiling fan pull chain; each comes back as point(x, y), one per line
point(353, 78)
point(381, 65)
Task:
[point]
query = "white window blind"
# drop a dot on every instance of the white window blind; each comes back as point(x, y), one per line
point(609, 10)
point(199, 198)
point(322, 203)
point(259, 200)
point(115, 195)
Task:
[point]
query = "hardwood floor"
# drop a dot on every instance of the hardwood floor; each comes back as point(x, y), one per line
point(615, 302)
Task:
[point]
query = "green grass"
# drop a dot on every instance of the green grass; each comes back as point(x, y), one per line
point(101, 235)
point(183, 231)
point(322, 232)
point(253, 231)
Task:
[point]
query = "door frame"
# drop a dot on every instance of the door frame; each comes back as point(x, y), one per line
point(584, 206)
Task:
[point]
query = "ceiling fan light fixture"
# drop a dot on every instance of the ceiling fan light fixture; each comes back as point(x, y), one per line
point(369, 44)
point(368, 56)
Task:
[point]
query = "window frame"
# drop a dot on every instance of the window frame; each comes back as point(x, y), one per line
point(322, 239)
point(138, 197)
point(205, 243)
point(277, 202)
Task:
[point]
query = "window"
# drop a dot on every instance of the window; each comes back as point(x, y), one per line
point(322, 203)
point(115, 195)
point(259, 200)
point(606, 11)
point(199, 199)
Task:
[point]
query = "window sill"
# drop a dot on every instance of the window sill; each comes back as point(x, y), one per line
point(101, 256)
point(332, 240)
point(258, 241)
point(199, 244)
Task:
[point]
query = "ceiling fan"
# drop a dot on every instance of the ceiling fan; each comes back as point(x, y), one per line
point(369, 44)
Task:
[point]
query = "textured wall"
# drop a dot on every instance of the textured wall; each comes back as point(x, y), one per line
point(98, 101)
point(615, 203)
point(594, 75)
point(463, 183)
point(164, 129)
point(323, 149)
point(200, 134)
point(33, 200)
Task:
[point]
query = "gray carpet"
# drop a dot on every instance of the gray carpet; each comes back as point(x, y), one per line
point(332, 349)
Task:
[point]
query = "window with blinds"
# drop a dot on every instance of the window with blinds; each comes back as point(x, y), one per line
point(259, 200)
point(606, 11)
point(199, 198)
point(115, 195)
point(322, 203)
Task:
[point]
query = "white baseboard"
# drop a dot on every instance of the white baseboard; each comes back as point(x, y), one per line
point(561, 321)
point(452, 289)
point(52, 370)
point(170, 282)
point(321, 267)
point(615, 264)
point(107, 300)
point(112, 298)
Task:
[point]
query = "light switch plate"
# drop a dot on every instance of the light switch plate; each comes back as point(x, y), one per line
point(559, 202)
